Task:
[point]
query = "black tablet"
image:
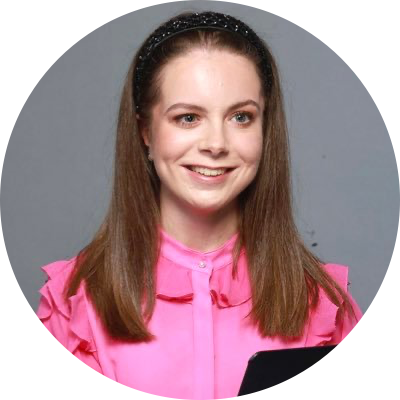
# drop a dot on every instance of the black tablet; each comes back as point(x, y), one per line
point(269, 368)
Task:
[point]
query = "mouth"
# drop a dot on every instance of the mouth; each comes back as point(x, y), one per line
point(226, 169)
point(204, 179)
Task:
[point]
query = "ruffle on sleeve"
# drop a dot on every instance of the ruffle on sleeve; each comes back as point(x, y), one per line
point(323, 320)
point(72, 315)
point(174, 283)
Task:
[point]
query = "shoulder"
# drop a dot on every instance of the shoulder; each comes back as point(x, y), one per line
point(57, 275)
point(340, 273)
point(57, 278)
point(59, 271)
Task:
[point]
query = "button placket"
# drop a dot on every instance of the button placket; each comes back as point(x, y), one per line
point(203, 331)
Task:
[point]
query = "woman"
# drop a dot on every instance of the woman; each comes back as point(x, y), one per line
point(198, 263)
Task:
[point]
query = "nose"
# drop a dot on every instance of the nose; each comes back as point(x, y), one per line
point(214, 139)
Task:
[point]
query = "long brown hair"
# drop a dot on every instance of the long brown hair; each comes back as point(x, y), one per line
point(118, 266)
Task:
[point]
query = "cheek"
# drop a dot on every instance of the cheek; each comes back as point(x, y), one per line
point(170, 144)
point(250, 149)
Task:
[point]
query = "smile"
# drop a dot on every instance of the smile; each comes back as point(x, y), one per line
point(208, 175)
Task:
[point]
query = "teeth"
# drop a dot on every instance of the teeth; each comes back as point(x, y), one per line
point(208, 172)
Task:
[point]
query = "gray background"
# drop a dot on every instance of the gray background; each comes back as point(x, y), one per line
point(58, 166)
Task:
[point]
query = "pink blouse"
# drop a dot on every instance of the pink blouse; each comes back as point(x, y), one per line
point(203, 340)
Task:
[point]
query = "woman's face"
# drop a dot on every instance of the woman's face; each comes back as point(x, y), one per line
point(205, 135)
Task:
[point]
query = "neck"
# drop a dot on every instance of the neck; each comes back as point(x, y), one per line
point(200, 231)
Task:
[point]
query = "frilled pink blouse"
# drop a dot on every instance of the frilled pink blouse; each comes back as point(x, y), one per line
point(203, 340)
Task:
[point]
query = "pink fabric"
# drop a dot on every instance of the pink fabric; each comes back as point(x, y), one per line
point(203, 340)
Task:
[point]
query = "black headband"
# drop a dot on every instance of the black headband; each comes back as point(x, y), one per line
point(204, 20)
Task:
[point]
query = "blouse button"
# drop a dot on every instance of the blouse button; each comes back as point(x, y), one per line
point(202, 264)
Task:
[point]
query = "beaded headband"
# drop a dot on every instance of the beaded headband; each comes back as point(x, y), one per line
point(194, 21)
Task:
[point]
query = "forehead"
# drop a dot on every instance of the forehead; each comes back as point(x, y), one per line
point(211, 76)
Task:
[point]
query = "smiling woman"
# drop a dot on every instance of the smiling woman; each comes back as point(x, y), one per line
point(198, 263)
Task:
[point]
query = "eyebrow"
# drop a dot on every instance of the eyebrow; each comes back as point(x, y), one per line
point(202, 109)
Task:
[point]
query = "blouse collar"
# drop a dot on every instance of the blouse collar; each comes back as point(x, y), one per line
point(184, 256)
point(177, 263)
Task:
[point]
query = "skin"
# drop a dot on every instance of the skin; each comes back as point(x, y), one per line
point(199, 215)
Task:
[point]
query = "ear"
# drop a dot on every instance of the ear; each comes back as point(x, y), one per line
point(143, 129)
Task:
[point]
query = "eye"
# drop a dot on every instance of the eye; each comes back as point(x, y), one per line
point(248, 115)
point(179, 119)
